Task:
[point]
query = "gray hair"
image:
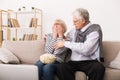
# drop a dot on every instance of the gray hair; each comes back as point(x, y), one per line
point(81, 13)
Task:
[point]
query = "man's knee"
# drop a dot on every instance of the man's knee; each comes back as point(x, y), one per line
point(99, 67)
point(62, 65)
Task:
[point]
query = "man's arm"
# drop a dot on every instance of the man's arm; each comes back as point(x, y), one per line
point(86, 48)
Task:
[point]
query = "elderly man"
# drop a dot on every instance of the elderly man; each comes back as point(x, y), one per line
point(85, 41)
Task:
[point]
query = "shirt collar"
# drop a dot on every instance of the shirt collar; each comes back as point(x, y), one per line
point(85, 27)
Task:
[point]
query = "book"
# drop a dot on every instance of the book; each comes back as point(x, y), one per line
point(10, 23)
point(30, 25)
point(1, 37)
point(34, 37)
point(24, 37)
point(14, 22)
point(34, 22)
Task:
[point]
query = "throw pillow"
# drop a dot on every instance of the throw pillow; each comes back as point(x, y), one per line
point(47, 58)
point(7, 56)
point(116, 62)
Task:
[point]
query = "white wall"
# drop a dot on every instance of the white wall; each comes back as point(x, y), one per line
point(104, 12)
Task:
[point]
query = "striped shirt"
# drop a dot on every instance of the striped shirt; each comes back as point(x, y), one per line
point(49, 47)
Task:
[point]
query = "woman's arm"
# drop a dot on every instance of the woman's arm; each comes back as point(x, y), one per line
point(49, 45)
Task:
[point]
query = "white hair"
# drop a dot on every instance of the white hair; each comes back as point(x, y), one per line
point(81, 13)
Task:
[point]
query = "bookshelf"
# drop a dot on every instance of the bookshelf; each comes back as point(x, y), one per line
point(1, 24)
point(22, 25)
point(0, 28)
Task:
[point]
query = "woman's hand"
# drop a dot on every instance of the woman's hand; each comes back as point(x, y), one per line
point(60, 31)
point(54, 29)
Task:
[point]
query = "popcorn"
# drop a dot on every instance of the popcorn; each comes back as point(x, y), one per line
point(47, 58)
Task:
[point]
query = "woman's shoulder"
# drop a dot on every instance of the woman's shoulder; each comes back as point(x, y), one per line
point(49, 35)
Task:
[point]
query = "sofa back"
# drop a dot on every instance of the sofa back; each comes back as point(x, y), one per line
point(28, 52)
point(110, 49)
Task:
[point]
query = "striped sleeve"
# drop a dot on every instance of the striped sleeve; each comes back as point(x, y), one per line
point(49, 46)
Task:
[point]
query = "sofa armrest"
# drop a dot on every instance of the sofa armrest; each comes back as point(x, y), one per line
point(1, 62)
point(18, 72)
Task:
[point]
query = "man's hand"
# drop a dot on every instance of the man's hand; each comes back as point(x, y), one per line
point(59, 44)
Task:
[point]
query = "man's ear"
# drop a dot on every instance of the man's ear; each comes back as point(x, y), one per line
point(83, 21)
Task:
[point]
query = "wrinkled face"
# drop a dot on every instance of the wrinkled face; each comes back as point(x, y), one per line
point(79, 23)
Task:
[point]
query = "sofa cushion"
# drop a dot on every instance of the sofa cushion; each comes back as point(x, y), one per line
point(112, 74)
point(28, 52)
point(18, 72)
point(80, 76)
point(110, 49)
point(7, 56)
point(116, 62)
point(0, 62)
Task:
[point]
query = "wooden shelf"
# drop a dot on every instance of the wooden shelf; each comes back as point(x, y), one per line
point(13, 32)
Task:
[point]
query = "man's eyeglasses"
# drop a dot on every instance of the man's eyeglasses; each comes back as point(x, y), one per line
point(76, 21)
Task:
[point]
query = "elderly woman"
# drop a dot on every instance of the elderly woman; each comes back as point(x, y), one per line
point(47, 71)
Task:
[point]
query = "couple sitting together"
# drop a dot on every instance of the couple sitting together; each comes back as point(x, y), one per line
point(83, 44)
